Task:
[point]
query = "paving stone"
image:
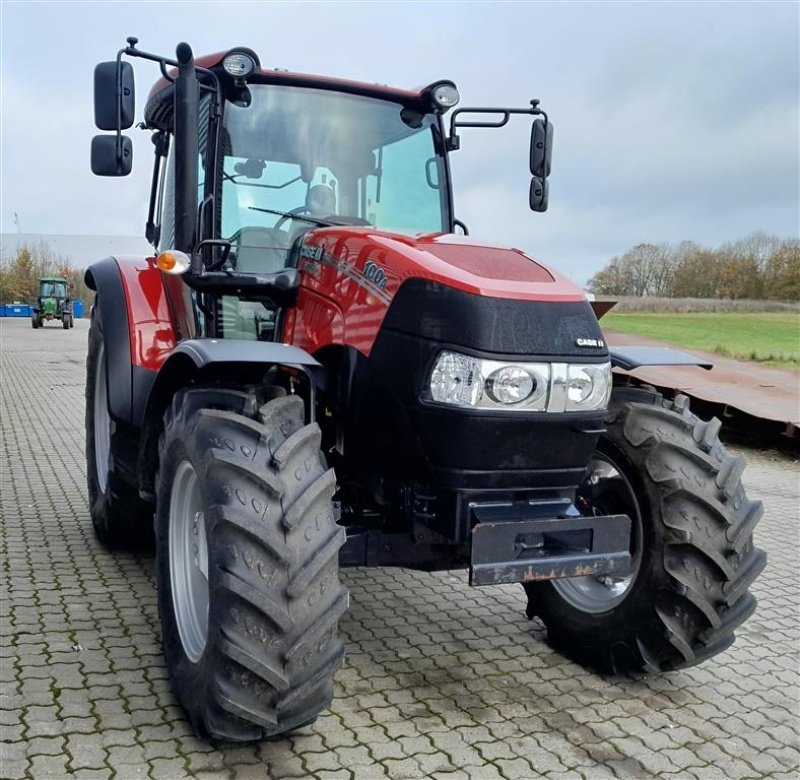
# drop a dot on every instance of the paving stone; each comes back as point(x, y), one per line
point(250, 772)
point(49, 767)
point(44, 746)
point(138, 772)
point(85, 752)
point(167, 769)
point(15, 769)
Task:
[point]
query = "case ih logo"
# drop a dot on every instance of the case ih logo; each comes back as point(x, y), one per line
point(590, 343)
point(375, 274)
point(313, 253)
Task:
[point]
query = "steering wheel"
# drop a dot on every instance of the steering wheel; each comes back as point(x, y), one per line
point(288, 216)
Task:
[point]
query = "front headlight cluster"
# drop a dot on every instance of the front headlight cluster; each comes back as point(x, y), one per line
point(474, 383)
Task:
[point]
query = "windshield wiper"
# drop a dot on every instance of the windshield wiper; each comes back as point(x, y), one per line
point(289, 215)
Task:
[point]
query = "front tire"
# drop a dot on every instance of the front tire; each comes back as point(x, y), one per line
point(692, 546)
point(120, 518)
point(247, 560)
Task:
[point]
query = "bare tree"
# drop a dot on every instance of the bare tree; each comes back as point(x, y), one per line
point(755, 267)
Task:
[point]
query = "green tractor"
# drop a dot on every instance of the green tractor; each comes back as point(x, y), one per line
point(53, 302)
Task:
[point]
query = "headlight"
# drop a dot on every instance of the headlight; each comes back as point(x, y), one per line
point(510, 385)
point(456, 379)
point(471, 382)
point(588, 386)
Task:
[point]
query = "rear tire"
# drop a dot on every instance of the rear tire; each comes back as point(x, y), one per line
point(692, 546)
point(120, 518)
point(249, 591)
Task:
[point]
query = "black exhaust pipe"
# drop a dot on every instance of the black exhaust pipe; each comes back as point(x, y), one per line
point(186, 145)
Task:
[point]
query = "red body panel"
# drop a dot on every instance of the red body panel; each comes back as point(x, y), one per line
point(351, 274)
point(152, 332)
point(349, 277)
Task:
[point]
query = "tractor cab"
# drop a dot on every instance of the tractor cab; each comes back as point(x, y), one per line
point(51, 290)
point(248, 160)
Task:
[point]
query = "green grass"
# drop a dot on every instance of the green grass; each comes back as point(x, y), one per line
point(767, 337)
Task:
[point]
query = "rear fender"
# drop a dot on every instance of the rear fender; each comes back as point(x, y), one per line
point(215, 360)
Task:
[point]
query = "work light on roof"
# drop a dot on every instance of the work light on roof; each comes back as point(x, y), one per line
point(446, 96)
point(239, 65)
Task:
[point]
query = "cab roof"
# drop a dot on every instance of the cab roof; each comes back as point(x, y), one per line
point(291, 78)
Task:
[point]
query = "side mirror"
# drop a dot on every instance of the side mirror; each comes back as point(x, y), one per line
point(538, 194)
point(105, 159)
point(105, 96)
point(541, 148)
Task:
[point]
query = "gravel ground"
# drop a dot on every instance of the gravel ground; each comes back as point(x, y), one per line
point(440, 680)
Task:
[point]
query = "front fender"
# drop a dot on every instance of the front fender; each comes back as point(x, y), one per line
point(105, 279)
point(630, 358)
point(206, 351)
point(190, 361)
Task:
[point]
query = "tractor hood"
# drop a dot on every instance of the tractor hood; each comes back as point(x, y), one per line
point(352, 278)
point(386, 260)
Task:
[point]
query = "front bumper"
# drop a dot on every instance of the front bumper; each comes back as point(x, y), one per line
point(518, 542)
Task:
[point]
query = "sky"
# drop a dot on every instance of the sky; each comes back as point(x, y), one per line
point(673, 121)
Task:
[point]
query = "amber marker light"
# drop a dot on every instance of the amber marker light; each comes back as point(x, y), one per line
point(172, 261)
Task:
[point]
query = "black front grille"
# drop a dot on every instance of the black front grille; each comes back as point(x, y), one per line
point(498, 325)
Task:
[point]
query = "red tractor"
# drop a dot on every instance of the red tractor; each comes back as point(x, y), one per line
point(314, 371)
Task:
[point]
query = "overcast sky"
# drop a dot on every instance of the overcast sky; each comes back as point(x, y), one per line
point(673, 121)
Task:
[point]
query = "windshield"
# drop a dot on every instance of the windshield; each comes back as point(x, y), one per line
point(53, 289)
point(328, 156)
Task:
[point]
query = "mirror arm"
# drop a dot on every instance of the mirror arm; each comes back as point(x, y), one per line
point(453, 140)
point(164, 72)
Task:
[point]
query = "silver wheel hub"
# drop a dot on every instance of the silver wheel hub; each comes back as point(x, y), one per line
point(188, 561)
point(102, 421)
point(606, 490)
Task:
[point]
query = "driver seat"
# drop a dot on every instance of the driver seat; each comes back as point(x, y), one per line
point(261, 250)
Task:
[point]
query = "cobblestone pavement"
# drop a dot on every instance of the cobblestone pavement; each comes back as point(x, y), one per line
point(440, 681)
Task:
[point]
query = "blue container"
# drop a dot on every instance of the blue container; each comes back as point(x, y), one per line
point(77, 309)
point(2, 310)
point(18, 310)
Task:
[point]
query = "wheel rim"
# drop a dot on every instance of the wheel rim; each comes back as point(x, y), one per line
point(606, 490)
point(102, 422)
point(188, 561)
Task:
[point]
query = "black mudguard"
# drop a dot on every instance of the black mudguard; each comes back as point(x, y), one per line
point(104, 278)
point(630, 358)
point(193, 359)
